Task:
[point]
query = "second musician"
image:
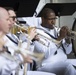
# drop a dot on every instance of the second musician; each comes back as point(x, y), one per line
point(55, 60)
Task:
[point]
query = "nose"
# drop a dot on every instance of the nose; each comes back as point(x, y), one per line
point(53, 21)
point(15, 20)
point(10, 23)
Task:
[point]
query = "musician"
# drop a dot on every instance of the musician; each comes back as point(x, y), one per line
point(55, 60)
point(5, 25)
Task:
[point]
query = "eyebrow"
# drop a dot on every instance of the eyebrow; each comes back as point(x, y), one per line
point(12, 16)
point(51, 18)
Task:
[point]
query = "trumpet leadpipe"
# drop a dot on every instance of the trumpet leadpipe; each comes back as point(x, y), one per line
point(43, 34)
point(22, 27)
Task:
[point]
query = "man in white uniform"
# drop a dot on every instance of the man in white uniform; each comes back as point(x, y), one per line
point(9, 65)
point(55, 60)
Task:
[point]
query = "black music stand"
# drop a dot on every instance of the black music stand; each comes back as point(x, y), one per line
point(24, 8)
point(61, 9)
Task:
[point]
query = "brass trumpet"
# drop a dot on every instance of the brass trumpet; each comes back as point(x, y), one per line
point(41, 33)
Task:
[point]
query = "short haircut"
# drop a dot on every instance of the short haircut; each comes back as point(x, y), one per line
point(9, 8)
point(46, 11)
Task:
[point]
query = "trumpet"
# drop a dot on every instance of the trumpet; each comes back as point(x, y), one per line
point(40, 32)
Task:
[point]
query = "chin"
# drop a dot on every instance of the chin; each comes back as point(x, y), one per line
point(52, 28)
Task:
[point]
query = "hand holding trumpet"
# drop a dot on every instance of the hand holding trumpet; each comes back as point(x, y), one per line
point(32, 33)
point(65, 33)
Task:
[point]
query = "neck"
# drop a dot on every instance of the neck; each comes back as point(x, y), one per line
point(1, 34)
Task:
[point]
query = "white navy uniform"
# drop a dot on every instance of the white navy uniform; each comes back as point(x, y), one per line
point(9, 67)
point(55, 60)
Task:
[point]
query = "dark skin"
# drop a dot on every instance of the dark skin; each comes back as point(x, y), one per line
point(50, 21)
point(64, 32)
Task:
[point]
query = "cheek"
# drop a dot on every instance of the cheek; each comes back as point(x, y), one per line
point(3, 24)
point(12, 23)
point(3, 27)
point(49, 22)
point(11, 20)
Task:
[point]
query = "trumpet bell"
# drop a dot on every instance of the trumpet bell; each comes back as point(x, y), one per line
point(16, 28)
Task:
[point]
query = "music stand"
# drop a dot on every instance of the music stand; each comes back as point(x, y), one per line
point(61, 9)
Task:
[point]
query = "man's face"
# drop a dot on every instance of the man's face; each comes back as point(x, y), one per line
point(12, 17)
point(5, 23)
point(50, 20)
